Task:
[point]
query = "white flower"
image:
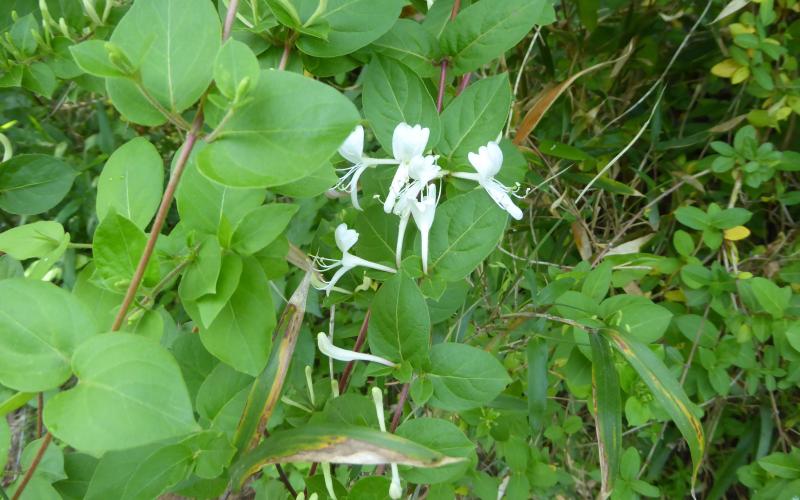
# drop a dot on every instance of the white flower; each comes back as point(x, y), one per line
point(327, 348)
point(408, 143)
point(487, 162)
point(395, 490)
point(345, 239)
point(352, 150)
point(423, 212)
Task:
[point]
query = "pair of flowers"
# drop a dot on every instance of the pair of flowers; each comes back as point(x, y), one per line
point(412, 192)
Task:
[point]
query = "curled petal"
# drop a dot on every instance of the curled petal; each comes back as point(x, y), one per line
point(408, 141)
point(354, 187)
point(488, 160)
point(395, 490)
point(353, 147)
point(327, 348)
point(345, 238)
point(499, 194)
point(398, 182)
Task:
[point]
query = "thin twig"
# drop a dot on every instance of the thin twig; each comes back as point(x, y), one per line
point(230, 17)
point(158, 223)
point(36, 460)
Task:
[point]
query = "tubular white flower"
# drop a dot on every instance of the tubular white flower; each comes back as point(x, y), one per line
point(408, 146)
point(424, 212)
point(327, 348)
point(352, 150)
point(409, 142)
point(395, 489)
point(345, 239)
point(487, 162)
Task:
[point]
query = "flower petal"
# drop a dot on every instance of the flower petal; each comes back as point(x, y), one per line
point(500, 196)
point(408, 141)
point(345, 238)
point(353, 147)
point(327, 348)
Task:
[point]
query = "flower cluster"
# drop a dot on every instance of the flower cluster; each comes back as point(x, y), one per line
point(413, 192)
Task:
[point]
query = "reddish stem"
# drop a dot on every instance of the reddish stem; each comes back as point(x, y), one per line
point(39, 412)
point(169, 193)
point(362, 337)
point(443, 74)
point(230, 17)
point(464, 82)
point(287, 49)
point(29, 473)
point(442, 81)
point(158, 223)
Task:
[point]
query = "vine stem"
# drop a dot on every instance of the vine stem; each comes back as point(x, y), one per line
point(230, 17)
point(443, 74)
point(29, 473)
point(158, 223)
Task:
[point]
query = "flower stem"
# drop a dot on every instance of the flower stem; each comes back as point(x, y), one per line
point(362, 337)
point(230, 17)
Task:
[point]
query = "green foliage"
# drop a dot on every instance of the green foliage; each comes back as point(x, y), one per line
point(633, 331)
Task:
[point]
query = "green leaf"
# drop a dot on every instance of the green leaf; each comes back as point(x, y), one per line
point(5, 442)
point(92, 57)
point(201, 276)
point(464, 377)
point(598, 281)
point(399, 329)
point(309, 121)
point(204, 204)
point(693, 217)
point(233, 64)
point(607, 409)
point(40, 327)
point(667, 391)
point(466, 230)
point(730, 217)
point(39, 78)
point(173, 43)
point(139, 473)
point(80, 468)
point(261, 226)
point(224, 391)
point(337, 444)
point(241, 334)
point(120, 379)
point(484, 30)
point(394, 94)
point(32, 184)
point(444, 437)
point(783, 465)
point(209, 306)
point(411, 44)
point(312, 185)
point(131, 182)
point(33, 240)
point(118, 244)
point(772, 298)
point(636, 316)
point(353, 24)
point(536, 355)
point(683, 243)
point(475, 117)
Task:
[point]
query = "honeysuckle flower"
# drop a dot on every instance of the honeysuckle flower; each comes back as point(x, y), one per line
point(327, 348)
point(423, 212)
point(395, 490)
point(345, 239)
point(408, 143)
point(421, 171)
point(487, 162)
point(352, 150)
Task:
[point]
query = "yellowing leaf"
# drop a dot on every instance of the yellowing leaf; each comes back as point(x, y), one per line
point(740, 75)
point(740, 29)
point(725, 69)
point(675, 296)
point(737, 233)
